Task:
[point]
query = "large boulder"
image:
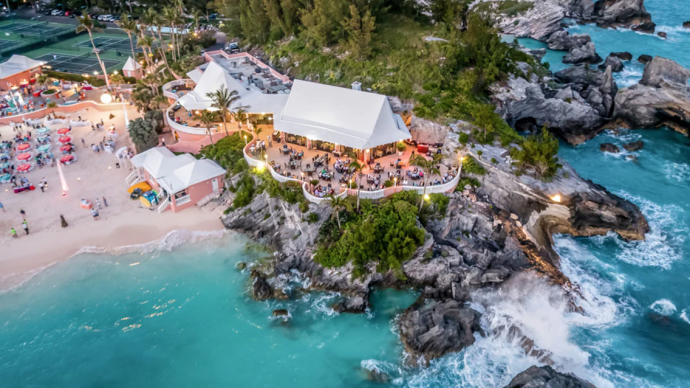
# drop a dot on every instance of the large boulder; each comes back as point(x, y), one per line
point(435, 329)
point(563, 41)
point(428, 132)
point(609, 147)
point(623, 55)
point(580, 9)
point(661, 70)
point(644, 59)
point(539, 22)
point(583, 54)
point(547, 377)
point(624, 13)
point(662, 98)
point(634, 146)
point(613, 61)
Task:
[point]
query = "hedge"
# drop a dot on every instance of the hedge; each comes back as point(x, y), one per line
point(74, 77)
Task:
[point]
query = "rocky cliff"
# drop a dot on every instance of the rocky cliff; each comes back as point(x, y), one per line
point(661, 98)
point(546, 377)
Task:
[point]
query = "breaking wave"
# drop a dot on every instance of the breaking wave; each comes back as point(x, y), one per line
point(664, 307)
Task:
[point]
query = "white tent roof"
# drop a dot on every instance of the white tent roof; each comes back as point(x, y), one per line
point(176, 172)
point(343, 116)
point(131, 65)
point(213, 78)
point(17, 64)
point(195, 75)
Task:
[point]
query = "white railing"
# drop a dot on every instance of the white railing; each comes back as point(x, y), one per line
point(133, 177)
point(376, 194)
point(167, 88)
point(164, 205)
point(183, 200)
point(183, 128)
point(56, 121)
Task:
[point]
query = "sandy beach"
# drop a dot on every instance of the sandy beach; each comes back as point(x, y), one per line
point(94, 176)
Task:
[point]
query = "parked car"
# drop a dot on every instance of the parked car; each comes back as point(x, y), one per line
point(69, 13)
point(48, 11)
point(56, 12)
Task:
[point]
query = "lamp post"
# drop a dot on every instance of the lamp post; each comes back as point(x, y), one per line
point(395, 182)
point(245, 140)
point(460, 167)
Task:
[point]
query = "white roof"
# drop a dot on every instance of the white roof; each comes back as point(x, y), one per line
point(338, 115)
point(17, 64)
point(195, 75)
point(213, 79)
point(131, 65)
point(176, 172)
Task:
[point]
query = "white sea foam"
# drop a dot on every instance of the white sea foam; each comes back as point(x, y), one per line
point(630, 75)
point(662, 245)
point(678, 172)
point(684, 316)
point(664, 307)
point(383, 368)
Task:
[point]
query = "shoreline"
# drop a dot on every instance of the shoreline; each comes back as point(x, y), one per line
point(124, 233)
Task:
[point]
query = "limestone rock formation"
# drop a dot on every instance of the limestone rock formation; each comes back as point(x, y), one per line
point(662, 98)
point(546, 377)
point(623, 55)
point(624, 13)
point(644, 59)
point(563, 41)
point(579, 9)
point(613, 61)
point(542, 20)
point(609, 147)
point(428, 132)
point(634, 146)
point(583, 54)
point(438, 328)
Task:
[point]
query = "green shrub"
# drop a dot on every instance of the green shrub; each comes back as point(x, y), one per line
point(228, 153)
point(463, 138)
point(539, 152)
point(471, 166)
point(304, 206)
point(74, 77)
point(291, 191)
point(388, 183)
point(312, 217)
point(245, 192)
point(494, 161)
point(464, 181)
point(480, 152)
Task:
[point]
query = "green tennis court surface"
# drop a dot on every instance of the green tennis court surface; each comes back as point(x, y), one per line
point(77, 64)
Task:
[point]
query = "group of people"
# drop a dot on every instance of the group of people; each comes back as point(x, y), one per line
point(321, 191)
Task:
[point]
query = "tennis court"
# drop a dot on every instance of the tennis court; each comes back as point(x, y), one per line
point(36, 29)
point(77, 64)
point(8, 44)
point(108, 43)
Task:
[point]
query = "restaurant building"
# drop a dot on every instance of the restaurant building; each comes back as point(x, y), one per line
point(313, 115)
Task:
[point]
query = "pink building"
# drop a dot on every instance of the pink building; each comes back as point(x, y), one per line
point(181, 181)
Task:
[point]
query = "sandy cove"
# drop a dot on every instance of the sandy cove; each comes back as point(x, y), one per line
point(23, 257)
point(95, 176)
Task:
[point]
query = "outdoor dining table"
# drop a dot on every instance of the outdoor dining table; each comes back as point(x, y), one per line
point(24, 167)
point(44, 147)
point(63, 131)
point(66, 159)
point(23, 146)
point(5, 178)
point(66, 148)
point(43, 131)
point(65, 139)
point(24, 156)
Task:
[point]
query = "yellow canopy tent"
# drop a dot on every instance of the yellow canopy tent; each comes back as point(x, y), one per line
point(144, 186)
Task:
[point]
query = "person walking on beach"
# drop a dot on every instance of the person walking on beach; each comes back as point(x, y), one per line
point(104, 202)
point(94, 213)
point(13, 233)
point(98, 204)
point(83, 143)
point(42, 187)
point(3, 207)
point(45, 182)
point(26, 227)
point(23, 213)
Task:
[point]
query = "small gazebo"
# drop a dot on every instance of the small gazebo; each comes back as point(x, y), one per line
point(132, 69)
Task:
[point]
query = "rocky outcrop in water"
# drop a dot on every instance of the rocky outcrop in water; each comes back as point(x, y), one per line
point(563, 41)
point(546, 377)
point(613, 61)
point(644, 59)
point(583, 54)
point(434, 329)
point(624, 13)
point(609, 147)
point(623, 55)
point(634, 146)
point(661, 98)
point(576, 111)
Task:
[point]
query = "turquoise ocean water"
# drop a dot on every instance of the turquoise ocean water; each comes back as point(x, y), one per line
point(184, 318)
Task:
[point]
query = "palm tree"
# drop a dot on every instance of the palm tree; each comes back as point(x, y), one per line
point(196, 16)
point(145, 42)
point(239, 114)
point(208, 118)
point(160, 101)
point(171, 17)
point(152, 80)
point(86, 24)
point(223, 101)
point(357, 169)
point(429, 166)
point(130, 27)
point(339, 204)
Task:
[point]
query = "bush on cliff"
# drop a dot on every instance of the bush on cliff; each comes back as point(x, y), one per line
point(385, 234)
point(228, 153)
point(539, 152)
